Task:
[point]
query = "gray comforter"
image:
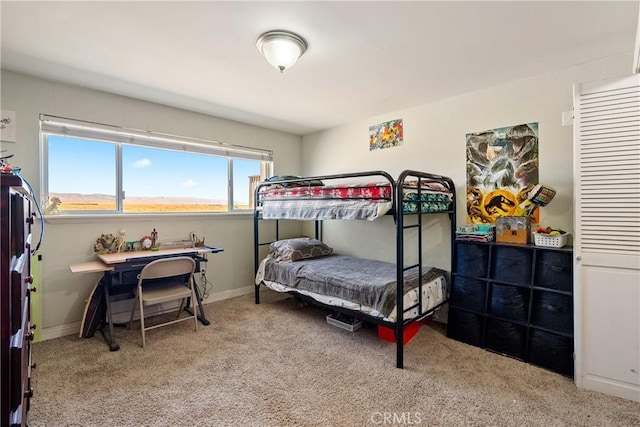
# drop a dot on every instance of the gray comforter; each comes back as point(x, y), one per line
point(368, 282)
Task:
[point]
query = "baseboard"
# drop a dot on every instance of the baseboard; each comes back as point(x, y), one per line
point(60, 331)
point(612, 387)
point(231, 293)
point(121, 312)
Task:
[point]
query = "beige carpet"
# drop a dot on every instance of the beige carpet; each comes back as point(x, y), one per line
point(277, 364)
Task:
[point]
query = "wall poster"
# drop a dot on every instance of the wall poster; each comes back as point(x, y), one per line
point(8, 126)
point(385, 135)
point(502, 167)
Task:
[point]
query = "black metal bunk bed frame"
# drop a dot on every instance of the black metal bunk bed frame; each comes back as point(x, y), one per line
point(396, 210)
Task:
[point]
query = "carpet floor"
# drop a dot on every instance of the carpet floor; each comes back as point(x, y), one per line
point(280, 364)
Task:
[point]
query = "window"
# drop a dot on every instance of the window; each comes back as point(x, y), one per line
point(98, 169)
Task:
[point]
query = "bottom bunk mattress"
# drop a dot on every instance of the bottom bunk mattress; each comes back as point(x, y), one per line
point(356, 283)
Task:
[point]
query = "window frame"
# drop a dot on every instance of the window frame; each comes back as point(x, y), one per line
point(120, 136)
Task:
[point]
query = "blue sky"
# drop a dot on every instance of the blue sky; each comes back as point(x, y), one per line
point(88, 167)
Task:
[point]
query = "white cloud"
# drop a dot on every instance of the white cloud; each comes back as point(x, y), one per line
point(142, 163)
point(189, 183)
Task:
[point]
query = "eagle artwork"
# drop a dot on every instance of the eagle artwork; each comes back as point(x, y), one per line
point(502, 167)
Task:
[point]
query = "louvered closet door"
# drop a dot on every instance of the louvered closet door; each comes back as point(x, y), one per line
point(607, 240)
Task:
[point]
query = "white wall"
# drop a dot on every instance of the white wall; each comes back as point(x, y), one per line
point(434, 141)
point(66, 242)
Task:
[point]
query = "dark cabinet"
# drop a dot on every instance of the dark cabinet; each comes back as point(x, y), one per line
point(516, 300)
point(16, 219)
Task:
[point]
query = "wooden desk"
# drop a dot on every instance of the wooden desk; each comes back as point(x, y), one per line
point(121, 270)
point(124, 257)
point(90, 267)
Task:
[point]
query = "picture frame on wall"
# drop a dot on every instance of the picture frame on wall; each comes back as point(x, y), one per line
point(386, 135)
point(8, 126)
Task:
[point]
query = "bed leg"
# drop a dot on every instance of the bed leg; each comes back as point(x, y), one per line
point(399, 353)
point(257, 294)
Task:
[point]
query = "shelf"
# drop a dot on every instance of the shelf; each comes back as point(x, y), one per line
point(515, 300)
point(554, 291)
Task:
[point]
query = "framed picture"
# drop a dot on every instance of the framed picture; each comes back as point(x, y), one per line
point(385, 135)
point(8, 126)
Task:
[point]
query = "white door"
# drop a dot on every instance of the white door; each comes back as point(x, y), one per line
point(607, 238)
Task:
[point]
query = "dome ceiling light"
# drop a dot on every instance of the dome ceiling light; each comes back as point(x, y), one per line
point(281, 48)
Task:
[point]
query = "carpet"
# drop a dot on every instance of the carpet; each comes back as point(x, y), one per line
point(280, 363)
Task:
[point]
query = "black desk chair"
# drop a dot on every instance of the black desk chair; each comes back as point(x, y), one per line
point(165, 280)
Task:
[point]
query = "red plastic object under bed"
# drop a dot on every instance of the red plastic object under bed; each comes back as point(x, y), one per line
point(388, 334)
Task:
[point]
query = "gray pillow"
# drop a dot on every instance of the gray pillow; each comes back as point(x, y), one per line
point(290, 250)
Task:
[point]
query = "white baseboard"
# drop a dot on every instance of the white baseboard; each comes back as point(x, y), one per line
point(60, 331)
point(611, 387)
point(231, 293)
point(122, 312)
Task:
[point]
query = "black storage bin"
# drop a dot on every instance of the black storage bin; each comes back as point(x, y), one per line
point(472, 259)
point(509, 302)
point(464, 326)
point(554, 270)
point(506, 338)
point(554, 352)
point(468, 293)
point(512, 265)
point(552, 311)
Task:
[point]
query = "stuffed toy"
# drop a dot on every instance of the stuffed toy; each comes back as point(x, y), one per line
point(52, 206)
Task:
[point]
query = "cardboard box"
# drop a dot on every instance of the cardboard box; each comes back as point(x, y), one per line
point(513, 229)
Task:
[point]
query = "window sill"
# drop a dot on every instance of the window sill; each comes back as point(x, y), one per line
point(102, 218)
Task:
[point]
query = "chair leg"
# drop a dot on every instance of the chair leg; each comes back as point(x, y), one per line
point(133, 310)
point(195, 309)
point(180, 307)
point(142, 321)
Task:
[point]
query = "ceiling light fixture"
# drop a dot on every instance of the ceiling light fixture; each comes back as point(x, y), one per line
point(281, 48)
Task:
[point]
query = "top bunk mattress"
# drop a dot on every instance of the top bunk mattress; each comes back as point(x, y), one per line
point(351, 201)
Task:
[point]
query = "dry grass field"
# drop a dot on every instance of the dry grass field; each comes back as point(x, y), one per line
point(147, 207)
point(101, 202)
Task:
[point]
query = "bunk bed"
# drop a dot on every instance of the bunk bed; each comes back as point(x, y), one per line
point(387, 294)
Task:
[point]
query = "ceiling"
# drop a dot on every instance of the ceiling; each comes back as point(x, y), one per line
point(364, 58)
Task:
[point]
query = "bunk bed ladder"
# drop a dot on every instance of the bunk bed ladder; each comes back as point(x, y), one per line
point(400, 265)
point(398, 212)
